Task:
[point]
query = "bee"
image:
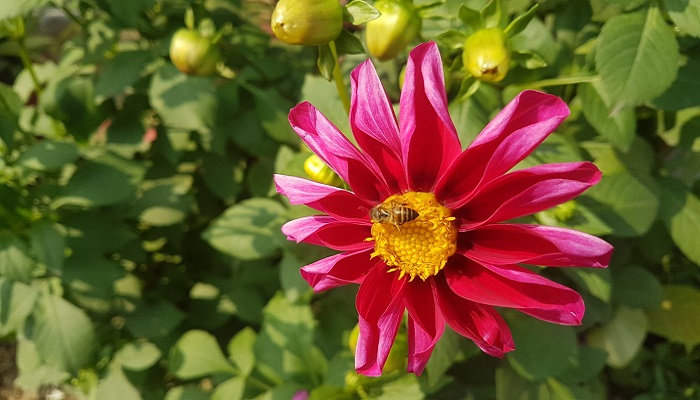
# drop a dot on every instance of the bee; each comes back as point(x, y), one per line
point(393, 213)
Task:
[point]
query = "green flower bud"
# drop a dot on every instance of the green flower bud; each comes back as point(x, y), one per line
point(487, 54)
point(392, 31)
point(397, 355)
point(319, 172)
point(193, 54)
point(307, 22)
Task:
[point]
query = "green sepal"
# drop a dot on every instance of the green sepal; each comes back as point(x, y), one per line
point(492, 15)
point(424, 9)
point(358, 12)
point(347, 43)
point(528, 59)
point(452, 39)
point(468, 87)
point(520, 22)
point(325, 61)
point(470, 17)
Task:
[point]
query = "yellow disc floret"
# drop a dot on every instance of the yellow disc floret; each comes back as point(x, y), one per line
point(413, 234)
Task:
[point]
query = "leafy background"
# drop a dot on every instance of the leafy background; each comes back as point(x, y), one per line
point(140, 250)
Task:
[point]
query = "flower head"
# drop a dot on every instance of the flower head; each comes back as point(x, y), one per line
point(422, 230)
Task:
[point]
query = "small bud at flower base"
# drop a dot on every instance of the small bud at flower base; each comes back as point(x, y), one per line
point(193, 54)
point(392, 31)
point(307, 22)
point(319, 172)
point(487, 55)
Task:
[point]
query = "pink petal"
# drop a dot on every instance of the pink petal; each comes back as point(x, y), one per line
point(513, 134)
point(341, 204)
point(501, 244)
point(516, 287)
point(374, 125)
point(324, 139)
point(425, 323)
point(528, 191)
point(380, 307)
point(339, 269)
point(323, 230)
point(429, 137)
point(480, 323)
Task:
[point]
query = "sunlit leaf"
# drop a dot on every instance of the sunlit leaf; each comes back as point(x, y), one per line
point(138, 355)
point(197, 354)
point(677, 317)
point(680, 212)
point(16, 303)
point(15, 262)
point(618, 128)
point(116, 386)
point(622, 337)
point(685, 14)
point(637, 57)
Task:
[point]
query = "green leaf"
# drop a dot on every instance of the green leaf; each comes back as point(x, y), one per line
point(677, 317)
point(240, 350)
point(492, 15)
point(347, 43)
point(618, 128)
point(10, 9)
point(680, 212)
point(445, 353)
point(121, 72)
point(183, 101)
point(536, 41)
point(48, 155)
point(322, 94)
point(116, 386)
point(189, 392)
point(16, 303)
point(596, 281)
point(637, 57)
point(154, 320)
point(15, 263)
point(621, 204)
point(470, 17)
point(10, 108)
point(33, 371)
point(325, 62)
point(520, 22)
point(406, 387)
point(230, 389)
point(164, 204)
point(248, 230)
point(635, 287)
point(359, 12)
point(197, 354)
point(534, 341)
point(48, 243)
point(685, 90)
point(138, 355)
point(63, 333)
point(96, 184)
point(586, 365)
point(685, 14)
point(622, 337)
point(273, 114)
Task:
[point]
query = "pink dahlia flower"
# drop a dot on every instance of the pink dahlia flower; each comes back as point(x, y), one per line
point(422, 230)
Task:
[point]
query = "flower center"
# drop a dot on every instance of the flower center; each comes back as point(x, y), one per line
point(414, 234)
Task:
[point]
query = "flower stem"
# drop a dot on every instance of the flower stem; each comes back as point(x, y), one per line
point(338, 77)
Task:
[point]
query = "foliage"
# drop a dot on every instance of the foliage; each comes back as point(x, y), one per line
point(140, 249)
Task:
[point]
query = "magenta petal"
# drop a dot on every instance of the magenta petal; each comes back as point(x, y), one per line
point(513, 134)
point(528, 191)
point(478, 322)
point(516, 287)
point(425, 323)
point(323, 230)
point(339, 203)
point(338, 270)
point(380, 307)
point(500, 244)
point(374, 125)
point(324, 139)
point(429, 137)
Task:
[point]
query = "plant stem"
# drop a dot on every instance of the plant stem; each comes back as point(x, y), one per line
point(29, 66)
point(338, 78)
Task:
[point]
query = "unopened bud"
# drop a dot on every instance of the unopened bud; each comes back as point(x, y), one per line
point(307, 22)
point(487, 54)
point(391, 32)
point(319, 172)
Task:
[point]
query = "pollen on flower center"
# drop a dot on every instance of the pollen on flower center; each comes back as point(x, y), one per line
point(413, 234)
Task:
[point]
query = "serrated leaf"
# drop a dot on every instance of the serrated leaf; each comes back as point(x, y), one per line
point(16, 303)
point(247, 230)
point(116, 386)
point(677, 317)
point(15, 263)
point(621, 204)
point(63, 333)
point(240, 350)
point(230, 389)
point(637, 57)
point(197, 354)
point(534, 341)
point(622, 337)
point(618, 128)
point(48, 155)
point(685, 14)
point(680, 212)
point(359, 12)
point(138, 355)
